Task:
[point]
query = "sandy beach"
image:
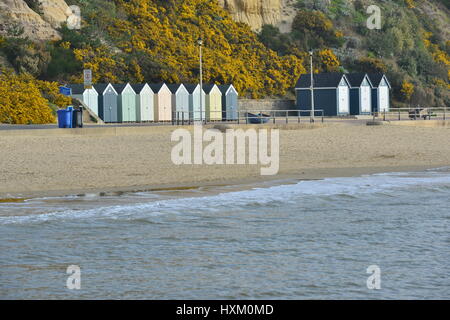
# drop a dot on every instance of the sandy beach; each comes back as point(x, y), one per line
point(36, 163)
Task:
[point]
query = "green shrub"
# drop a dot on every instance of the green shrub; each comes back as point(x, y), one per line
point(312, 29)
point(25, 55)
point(273, 39)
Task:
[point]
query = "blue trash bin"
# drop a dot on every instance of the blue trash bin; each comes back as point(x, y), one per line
point(71, 112)
point(65, 118)
point(65, 91)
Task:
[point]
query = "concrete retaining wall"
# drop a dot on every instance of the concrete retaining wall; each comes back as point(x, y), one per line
point(104, 130)
point(421, 123)
point(266, 104)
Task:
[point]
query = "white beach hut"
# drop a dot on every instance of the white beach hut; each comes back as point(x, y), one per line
point(88, 96)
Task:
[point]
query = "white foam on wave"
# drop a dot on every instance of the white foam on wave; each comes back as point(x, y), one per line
point(376, 183)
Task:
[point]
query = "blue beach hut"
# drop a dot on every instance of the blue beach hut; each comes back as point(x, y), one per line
point(107, 102)
point(229, 102)
point(331, 93)
point(180, 101)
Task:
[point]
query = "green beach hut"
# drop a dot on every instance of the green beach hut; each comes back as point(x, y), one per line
point(194, 102)
point(126, 102)
point(144, 102)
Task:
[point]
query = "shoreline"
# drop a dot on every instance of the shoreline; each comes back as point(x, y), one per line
point(215, 187)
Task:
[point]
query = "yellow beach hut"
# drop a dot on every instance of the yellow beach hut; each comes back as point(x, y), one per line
point(213, 102)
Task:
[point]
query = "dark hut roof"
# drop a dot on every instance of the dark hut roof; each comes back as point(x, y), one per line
point(100, 87)
point(375, 79)
point(76, 88)
point(119, 87)
point(190, 87)
point(174, 87)
point(321, 80)
point(355, 79)
point(156, 86)
point(138, 87)
point(224, 88)
point(208, 87)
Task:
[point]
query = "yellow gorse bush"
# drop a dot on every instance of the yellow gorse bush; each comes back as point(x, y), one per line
point(410, 4)
point(439, 55)
point(442, 83)
point(50, 91)
point(314, 20)
point(328, 59)
point(25, 100)
point(168, 38)
point(104, 67)
point(407, 90)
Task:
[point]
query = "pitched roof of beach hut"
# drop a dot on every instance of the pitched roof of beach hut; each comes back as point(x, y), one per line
point(224, 88)
point(321, 80)
point(191, 87)
point(356, 79)
point(119, 87)
point(208, 88)
point(376, 78)
point(156, 87)
point(175, 87)
point(138, 87)
point(101, 87)
point(76, 88)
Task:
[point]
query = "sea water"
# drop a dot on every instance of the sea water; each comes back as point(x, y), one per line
point(299, 240)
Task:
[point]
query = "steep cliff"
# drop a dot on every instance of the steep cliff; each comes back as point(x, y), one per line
point(37, 26)
point(155, 40)
point(256, 13)
point(54, 12)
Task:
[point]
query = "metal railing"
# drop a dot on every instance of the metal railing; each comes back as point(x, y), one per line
point(300, 116)
point(248, 116)
point(418, 113)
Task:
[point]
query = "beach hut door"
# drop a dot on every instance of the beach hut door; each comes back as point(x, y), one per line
point(343, 99)
point(384, 98)
point(365, 99)
point(108, 107)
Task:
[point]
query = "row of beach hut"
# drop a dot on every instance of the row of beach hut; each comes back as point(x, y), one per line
point(344, 94)
point(158, 102)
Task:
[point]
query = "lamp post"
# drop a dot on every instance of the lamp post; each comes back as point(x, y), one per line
point(312, 87)
point(200, 43)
